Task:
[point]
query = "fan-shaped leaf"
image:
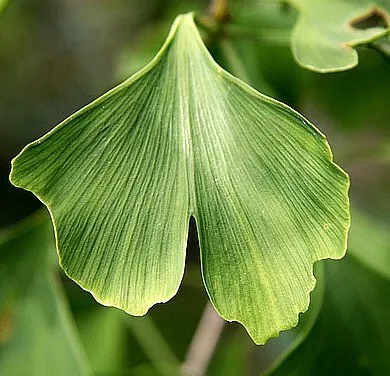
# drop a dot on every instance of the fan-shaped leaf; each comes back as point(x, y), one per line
point(183, 138)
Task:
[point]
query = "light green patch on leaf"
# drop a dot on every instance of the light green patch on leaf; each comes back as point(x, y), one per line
point(36, 333)
point(327, 32)
point(351, 335)
point(183, 138)
point(3, 4)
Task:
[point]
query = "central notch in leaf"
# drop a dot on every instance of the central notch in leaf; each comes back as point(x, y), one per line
point(183, 138)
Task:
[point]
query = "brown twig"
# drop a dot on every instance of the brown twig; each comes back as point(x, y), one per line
point(219, 11)
point(203, 343)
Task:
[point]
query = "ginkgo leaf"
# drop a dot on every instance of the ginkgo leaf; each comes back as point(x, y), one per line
point(36, 332)
point(183, 138)
point(327, 32)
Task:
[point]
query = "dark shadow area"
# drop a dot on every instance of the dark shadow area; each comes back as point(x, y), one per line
point(375, 18)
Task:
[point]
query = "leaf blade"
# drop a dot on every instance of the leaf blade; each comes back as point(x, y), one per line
point(251, 171)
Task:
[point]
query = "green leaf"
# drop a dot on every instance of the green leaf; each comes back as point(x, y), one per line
point(351, 335)
point(327, 32)
point(36, 333)
point(183, 138)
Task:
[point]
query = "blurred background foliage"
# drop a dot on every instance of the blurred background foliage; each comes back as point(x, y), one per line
point(58, 55)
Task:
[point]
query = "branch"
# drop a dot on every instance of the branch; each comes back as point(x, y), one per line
point(203, 343)
point(219, 11)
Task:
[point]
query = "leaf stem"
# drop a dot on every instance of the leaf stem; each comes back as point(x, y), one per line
point(203, 343)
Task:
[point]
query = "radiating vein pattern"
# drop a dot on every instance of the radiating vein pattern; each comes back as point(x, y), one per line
point(182, 137)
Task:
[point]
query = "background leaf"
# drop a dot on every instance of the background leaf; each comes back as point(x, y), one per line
point(36, 332)
point(327, 32)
